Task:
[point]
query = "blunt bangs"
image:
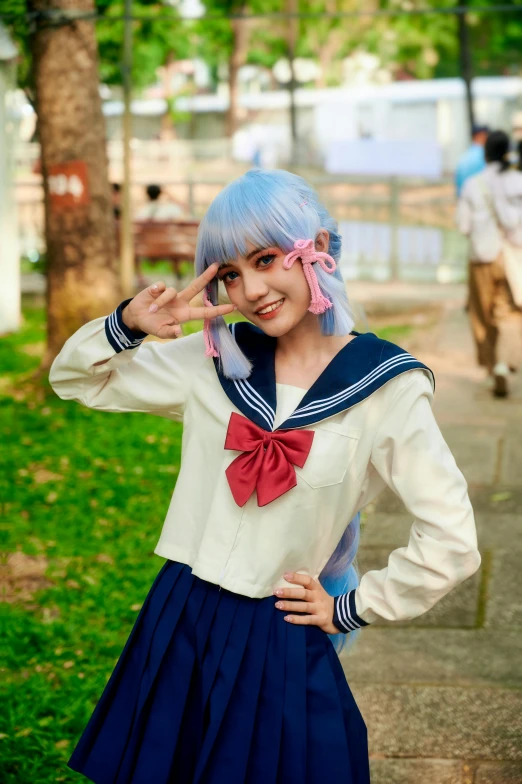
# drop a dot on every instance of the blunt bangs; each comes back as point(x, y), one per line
point(261, 207)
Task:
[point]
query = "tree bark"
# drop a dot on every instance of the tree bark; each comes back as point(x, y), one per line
point(236, 60)
point(82, 280)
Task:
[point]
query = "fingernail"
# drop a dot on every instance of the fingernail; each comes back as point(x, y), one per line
point(154, 287)
point(153, 308)
point(288, 576)
point(278, 592)
point(279, 604)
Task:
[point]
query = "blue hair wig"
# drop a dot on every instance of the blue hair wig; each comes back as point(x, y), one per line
point(340, 576)
point(267, 208)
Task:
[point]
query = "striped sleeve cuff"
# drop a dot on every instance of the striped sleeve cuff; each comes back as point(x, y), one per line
point(118, 334)
point(345, 615)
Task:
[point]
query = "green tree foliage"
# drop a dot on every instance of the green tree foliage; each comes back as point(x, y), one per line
point(155, 40)
point(14, 12)
point(496, 41)
point(410, 46)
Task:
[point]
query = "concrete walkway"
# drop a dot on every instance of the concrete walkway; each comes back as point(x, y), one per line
point(442, 695)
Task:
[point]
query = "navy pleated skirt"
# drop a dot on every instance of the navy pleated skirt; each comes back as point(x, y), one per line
point(217, 688)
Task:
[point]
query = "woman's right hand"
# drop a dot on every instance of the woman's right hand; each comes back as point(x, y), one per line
point(159, 311)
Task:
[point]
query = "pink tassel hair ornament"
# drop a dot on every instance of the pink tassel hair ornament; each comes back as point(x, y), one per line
point(305, 250)
point(210, 346)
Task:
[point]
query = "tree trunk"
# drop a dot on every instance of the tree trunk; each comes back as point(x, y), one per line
point(82, 280)
point(237, 59)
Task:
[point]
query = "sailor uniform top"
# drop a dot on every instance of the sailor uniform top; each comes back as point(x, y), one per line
point(369, 423)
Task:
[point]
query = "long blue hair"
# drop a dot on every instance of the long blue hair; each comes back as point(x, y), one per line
point(277, 208)
point(340, 575)
point(267, 208)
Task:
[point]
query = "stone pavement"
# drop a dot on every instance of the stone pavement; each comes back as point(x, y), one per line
point(442, 695)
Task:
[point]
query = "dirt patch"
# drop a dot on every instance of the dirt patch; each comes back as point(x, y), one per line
point(22, 576)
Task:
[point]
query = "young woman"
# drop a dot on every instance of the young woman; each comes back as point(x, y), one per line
point(292, 424)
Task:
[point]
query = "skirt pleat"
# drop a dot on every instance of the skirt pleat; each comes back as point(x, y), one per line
point(214, 687)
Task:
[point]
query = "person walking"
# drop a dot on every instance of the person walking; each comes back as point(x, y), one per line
point(490, 215)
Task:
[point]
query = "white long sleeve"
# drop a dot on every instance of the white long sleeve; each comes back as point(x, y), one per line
point(153, 377)
point(413, 459)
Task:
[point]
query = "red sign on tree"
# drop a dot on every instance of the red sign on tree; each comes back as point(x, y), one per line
point(68, 185)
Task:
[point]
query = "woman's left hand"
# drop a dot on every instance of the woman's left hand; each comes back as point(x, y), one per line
point(309, 597)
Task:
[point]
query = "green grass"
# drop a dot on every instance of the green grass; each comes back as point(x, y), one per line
point(90, 497)
point(87, 492)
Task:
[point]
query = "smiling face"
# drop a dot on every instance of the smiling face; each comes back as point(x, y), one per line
point(273, 298)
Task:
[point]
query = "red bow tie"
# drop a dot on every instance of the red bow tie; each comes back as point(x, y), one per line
point(267, 464)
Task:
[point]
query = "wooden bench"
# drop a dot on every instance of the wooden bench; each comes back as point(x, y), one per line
point(155, 241)
point(173, 241)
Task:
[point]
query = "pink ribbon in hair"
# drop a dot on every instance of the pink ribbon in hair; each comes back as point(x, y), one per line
point(210, 346)
point(305, 250)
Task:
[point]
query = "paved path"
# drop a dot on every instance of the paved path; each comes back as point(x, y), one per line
point(442, 695)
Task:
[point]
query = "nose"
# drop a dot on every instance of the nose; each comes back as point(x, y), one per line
point(254, 286)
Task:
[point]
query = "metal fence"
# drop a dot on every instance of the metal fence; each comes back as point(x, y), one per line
point(392, 229)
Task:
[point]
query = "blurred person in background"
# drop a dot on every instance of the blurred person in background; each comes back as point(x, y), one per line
point(158, 209)
point(473, 160)
point(490, 214)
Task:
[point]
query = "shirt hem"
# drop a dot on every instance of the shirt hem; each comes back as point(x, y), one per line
point(209, 574)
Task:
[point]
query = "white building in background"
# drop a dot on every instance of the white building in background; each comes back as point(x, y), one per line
point(413, 121)
point(416, 128)
point(419, 122)
point(9, 257)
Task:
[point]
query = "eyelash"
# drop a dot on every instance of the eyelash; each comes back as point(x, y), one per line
point(270, 256)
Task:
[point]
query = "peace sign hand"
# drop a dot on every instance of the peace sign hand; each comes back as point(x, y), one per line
point(310, 597)
point(159, 311)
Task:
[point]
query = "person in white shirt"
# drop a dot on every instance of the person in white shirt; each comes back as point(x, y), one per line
point(158, 210)
point(490, 213)
point(293, 423)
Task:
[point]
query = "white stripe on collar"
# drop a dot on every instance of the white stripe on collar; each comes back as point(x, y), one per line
point(245, 394)
point(326, 403)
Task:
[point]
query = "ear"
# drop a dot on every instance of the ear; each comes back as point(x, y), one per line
point(322, 241)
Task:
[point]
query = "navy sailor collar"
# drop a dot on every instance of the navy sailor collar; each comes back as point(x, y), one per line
point(357, 371)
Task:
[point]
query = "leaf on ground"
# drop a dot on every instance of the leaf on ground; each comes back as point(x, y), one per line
point(23, 733)
point(168, 469)
point(43, 475)
point(62, 744)
point(104, 558)
point(136, 607)
point(496, 497)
